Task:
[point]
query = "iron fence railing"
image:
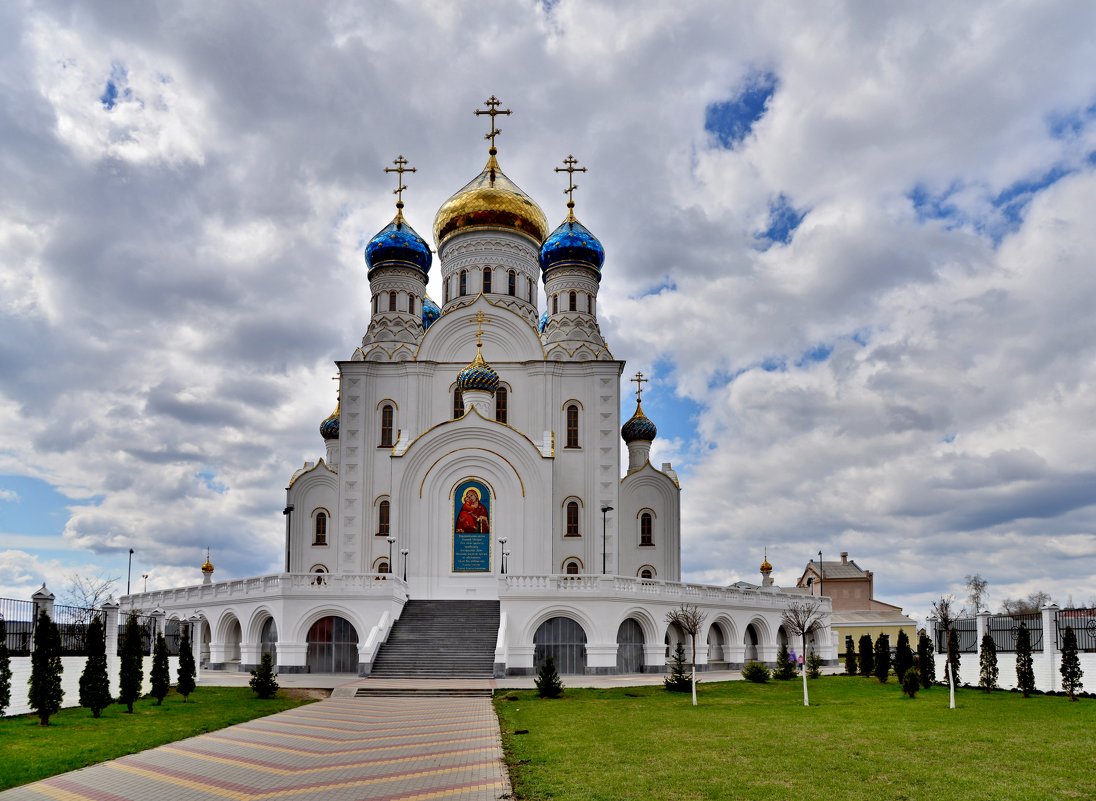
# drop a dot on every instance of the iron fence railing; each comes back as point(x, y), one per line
point(147, 626)
point(19, 617)
point(1005, 628)
point(72, 627)
point(1083, 622)
point(966, 633)
point(173, 634)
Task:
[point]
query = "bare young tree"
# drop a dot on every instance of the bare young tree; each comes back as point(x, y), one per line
point(801, 618)
point(689, 619)
point(1025, 606)
point(88, 592)
point(944, 609)
point(976, 592)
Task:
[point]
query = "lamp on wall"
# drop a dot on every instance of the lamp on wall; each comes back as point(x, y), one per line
point(604, 539)
point(391, 542)
point(287, 511)
point(404, 552)
point(502, 549)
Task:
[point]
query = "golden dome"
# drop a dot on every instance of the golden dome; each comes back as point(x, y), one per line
point(490, 200)
point(766, 567)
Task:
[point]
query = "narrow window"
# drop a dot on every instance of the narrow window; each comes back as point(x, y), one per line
point(572, 519)
point(646, 533)
point(463, 289)
point(573, 300)
point(530, 290)
point(384, 513)
point(486, 280)
point(319, 536)
point(572, 426)
point(375, 299)
point(589, 304)
point(411, 304)
point(571, 567)
point(512, 283)
point(446, 292)
point(458, 404)
point(391, 301)
point(501, 401)
point(382, 566)
point(386, 426)
point(555, 304)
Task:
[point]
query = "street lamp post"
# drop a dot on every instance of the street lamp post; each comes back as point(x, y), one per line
point(391, 542)
point(129, 570)
point(287, 511)
point(404, 552)
point(145, 577)
point(604, 537)
point(502, 549)
point(505, 554)
point(820, 572)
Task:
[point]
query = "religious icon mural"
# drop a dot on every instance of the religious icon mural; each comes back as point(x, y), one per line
point(471, 527)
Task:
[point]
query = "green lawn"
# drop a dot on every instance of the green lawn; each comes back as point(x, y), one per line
point(74, 738)
point(858, 740)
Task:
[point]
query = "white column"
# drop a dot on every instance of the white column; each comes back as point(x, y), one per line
point(1050, 644)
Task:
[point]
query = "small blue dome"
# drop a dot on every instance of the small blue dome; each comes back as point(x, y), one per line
point(329, 428)
point(542, 322)
point(430, 312)
point(398, 243)
point(639, 427)
point(478, 375)
point(571, 243)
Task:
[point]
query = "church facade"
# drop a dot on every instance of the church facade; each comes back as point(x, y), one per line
point(474, 454)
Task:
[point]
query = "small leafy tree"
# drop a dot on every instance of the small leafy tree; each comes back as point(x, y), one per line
point(131, 672)
point(45, 694)
point(882, 658)
point(987, 663)
point(911, 682)
point(186, 674)
point(976, 592)
point(785, 668)
point(5, 668)
point(1025, 670)
point(1071, 664)
point(263, 680)
point(678, 681)
point(548, 682)
point(945, 613)
point(161, 672)
point(867, 658)
point(94, 681)
point(926, 660)
point(903, 656)
point(689, 619)
point(801, 618)
point(850, 656)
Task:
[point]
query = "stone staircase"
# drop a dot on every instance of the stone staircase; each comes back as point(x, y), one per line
point(440, 639)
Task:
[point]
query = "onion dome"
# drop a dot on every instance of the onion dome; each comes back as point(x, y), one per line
point(397, 244)
point(329, 428)
point(207, 568)
point(543, 321)
point(766, 567)
point(571, 243)
point(639, 427)
point(430, 312)
point(478, 375)
point(490, 200)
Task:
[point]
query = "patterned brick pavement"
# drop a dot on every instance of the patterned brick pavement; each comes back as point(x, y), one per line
point(342, 749)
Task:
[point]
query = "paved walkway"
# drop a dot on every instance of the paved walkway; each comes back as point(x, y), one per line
point(342, 749)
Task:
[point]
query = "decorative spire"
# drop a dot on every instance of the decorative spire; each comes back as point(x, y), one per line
point(639, 381)
point(493, 110)
point(207, 568)
point(570, 169)
point(478, 374)
point(400, 168)
point(766, 568)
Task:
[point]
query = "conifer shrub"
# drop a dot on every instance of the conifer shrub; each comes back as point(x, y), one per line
point(549, 684)
point(5, 668)
point(263, 680)
point(926, 661)
point(94, 681)
point(850, 656)
point(161, 673)
point(814, 665)
point(882, 658)
point(1071, 664)
point(987, 663)
point(911, 682)
point(131, 672)
point(866, 657)
point(679, 680)
point(45, 694)
point(756, 672)
point(186, 673)
point(785, 668)
point(903, 656)
point(953, 656)
point(1025, 670)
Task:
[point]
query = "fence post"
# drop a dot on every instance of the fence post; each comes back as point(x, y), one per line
point(980, 628)
point(110, 623)
point(196, 645)
point(157, 616)
point(1050, 643)
point(43, 602)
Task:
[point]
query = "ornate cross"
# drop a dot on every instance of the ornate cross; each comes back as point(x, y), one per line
point(570, 169)
point(479, 320)
point(639, 381)
point(493, 109)
point(401, 167)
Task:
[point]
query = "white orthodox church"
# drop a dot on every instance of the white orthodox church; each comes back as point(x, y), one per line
point(471, 515)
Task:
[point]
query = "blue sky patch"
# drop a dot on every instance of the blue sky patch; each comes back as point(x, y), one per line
point(732, 120)
point(1013, 200)
point(814, 354)
point(33, 506)
point(667, 285)
point(1069, 124)
point(933, 207)
point(116, 87)
point(209, 479)
point(784, 218)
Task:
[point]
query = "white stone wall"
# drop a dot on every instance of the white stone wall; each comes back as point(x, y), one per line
point(1046, 667)
point(70, 680)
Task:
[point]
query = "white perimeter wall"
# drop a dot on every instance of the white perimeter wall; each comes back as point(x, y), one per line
point(1046, 667)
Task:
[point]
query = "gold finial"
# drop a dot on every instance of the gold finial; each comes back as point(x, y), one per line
point(639, 381)
point(479, 320)
point(570, 169)
point(400, 168)
point(493, 109)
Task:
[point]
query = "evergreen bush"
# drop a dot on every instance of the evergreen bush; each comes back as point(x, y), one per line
point(756, 672)
point(987, 663)
point(785, 668)
point(867, 658)
point(5, 668)
point(926, 660)
point(911, 682)
point(548, 682)
point(679, 680)
point(953, 656)
point(45, 693)
point(1071, 664)
point(1025, 670)
point(882, 658)
point(903, 656)
point(850, 656)
point(131, 672)
point(814, 665)
point(161, 673)
point(94, 681)
point(263, 680)
point(185, 685)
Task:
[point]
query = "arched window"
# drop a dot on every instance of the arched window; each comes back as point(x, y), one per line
point(375, 299)
point(555, 304)
point(530, 290)
point(391, 301)
point(486, 280)
point(502, 399)
point(572, 519)
point(319, 571)
point(589, 304)
point(382, 566)
point(411, 304)
point(462, 289)
point(646, 529)
point(646, 572)
point(572, 299)
point(572, 567)
point(319, 529)
point(458, 403)
point(512, 283)
point(446, 292)
point(572, 426)
point(386, 426)
point(384, 516)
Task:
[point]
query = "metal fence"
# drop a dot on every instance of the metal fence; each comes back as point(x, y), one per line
point(1004, 629)
point(966, 633)
point(173, 634)
point(19, 618)
point(147, 626)
point(1083, 622)
point(72, 627)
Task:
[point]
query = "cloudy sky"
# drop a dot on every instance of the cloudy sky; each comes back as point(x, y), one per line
point(848, 240)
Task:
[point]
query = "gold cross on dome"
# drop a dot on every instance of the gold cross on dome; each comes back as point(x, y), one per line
point(493, 109)
point(570, 169)
point(639, 381)
point(401, 167)
point(479, 320)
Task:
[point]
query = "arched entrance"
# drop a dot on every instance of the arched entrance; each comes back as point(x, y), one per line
point(232, 641)
point(630, 647)
point(268, 640)
point(332, 646)
point(564, 640)
point(716, 654)
point(751, 641)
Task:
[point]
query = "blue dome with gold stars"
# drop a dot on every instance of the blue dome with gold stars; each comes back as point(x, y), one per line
point(329, 428)
point(639, 427)
point(478, 375)
point(430, 312)
point(398, 244)
point(571, 243)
